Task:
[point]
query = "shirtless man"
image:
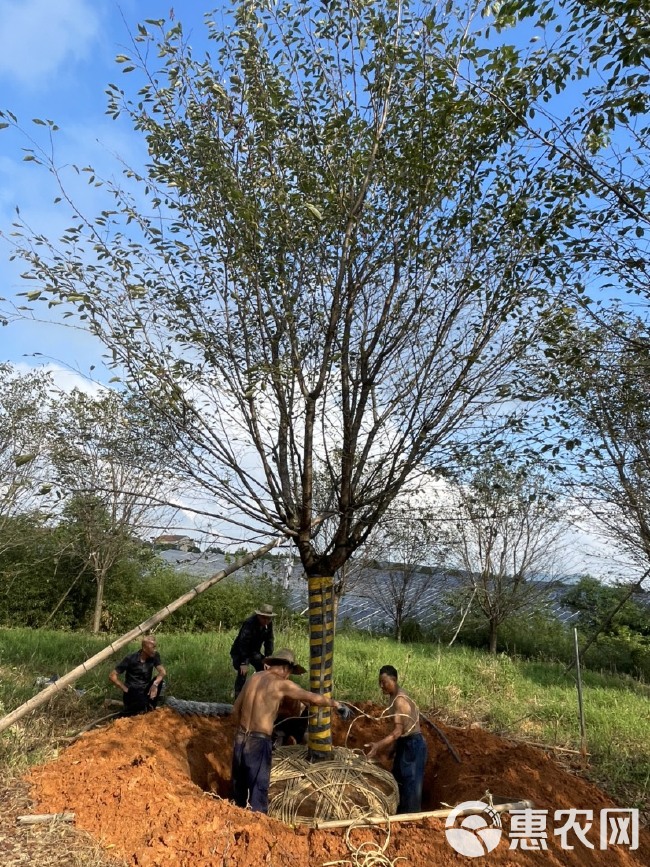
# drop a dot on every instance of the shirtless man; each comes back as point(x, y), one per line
point(254, 712)
point(410, 746)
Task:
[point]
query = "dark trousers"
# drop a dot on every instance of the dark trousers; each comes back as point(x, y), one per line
point(251, 770)
point(257, 661)
point(408, 770)
point(137, 700)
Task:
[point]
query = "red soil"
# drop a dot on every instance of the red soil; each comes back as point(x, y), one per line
point(147, 787)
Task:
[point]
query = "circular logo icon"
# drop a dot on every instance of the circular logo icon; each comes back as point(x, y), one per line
point(478, 833)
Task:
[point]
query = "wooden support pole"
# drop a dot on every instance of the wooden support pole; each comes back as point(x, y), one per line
point(137, 631)
point(415, 817)
point(581, 709)
point(546, 746)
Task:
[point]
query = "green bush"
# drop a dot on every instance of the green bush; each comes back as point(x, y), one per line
point(412, 632)
point(222, 607)
point(41, 583)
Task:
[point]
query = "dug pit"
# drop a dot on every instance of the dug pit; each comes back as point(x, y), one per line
point(155, 788)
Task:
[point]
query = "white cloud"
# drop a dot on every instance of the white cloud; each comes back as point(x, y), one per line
point(64, 379)
point(37, 36)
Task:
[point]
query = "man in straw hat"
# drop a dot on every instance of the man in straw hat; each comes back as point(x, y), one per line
point(254, 713)
point(255, 631)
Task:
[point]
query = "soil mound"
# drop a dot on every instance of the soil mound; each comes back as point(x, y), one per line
point(154, 788)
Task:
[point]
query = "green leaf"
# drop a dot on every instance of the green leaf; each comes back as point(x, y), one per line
point(21, 460)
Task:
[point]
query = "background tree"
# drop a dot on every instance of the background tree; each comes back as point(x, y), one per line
point(592, 139)
point(593, 601)
point(335, 265)
point(112, 473)
point(597, 374)
point(400, 574)
point(24, 400)
point(503, 532)
point(606, 140)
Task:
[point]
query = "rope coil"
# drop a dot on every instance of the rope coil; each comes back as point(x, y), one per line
point(367, 854)
point(345, 786)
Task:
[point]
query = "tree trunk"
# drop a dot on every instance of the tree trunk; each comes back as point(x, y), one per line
point(493, 636)
point(321, 652)
point(100, 579)
point(335, 612)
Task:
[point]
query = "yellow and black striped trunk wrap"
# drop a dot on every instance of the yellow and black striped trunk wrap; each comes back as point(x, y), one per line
point(321, 652)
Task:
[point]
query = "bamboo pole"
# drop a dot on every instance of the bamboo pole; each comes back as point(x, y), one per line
point(141, 629)
point(546, 746)
point(414, 817)
point(581, 709)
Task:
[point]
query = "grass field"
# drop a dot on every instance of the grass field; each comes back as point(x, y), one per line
point(528, 700)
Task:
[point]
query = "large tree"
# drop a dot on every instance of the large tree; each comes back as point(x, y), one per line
point(327, 266)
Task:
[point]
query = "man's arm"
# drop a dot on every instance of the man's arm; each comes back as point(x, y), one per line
point(115, 678)
point(236, 708)
point(162, 672)
point(244, 644)
point(401, 708)
point(292, 690)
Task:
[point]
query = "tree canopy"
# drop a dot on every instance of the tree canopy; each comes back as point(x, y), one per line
point(330, 264)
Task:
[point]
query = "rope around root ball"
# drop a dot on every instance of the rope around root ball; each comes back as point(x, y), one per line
point(368, 854)
point(345, 786)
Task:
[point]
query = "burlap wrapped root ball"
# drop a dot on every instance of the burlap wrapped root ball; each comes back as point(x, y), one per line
point(347, 786)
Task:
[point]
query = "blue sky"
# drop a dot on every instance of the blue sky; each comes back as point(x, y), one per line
point(56, 59)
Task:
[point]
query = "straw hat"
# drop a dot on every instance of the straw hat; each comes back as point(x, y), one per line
point(285, 657)
point(265, 611)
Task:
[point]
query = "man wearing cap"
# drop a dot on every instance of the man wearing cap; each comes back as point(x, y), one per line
point(254, 713)
point(255, 631)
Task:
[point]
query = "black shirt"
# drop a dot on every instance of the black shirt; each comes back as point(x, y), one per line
point(138, 674)
point(250, 639)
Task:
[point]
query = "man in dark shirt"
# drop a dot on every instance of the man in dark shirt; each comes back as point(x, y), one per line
point(141, 690)
point(255, 631)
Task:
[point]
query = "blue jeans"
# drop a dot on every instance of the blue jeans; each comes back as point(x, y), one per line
point(251, 770)
point(408, 770)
